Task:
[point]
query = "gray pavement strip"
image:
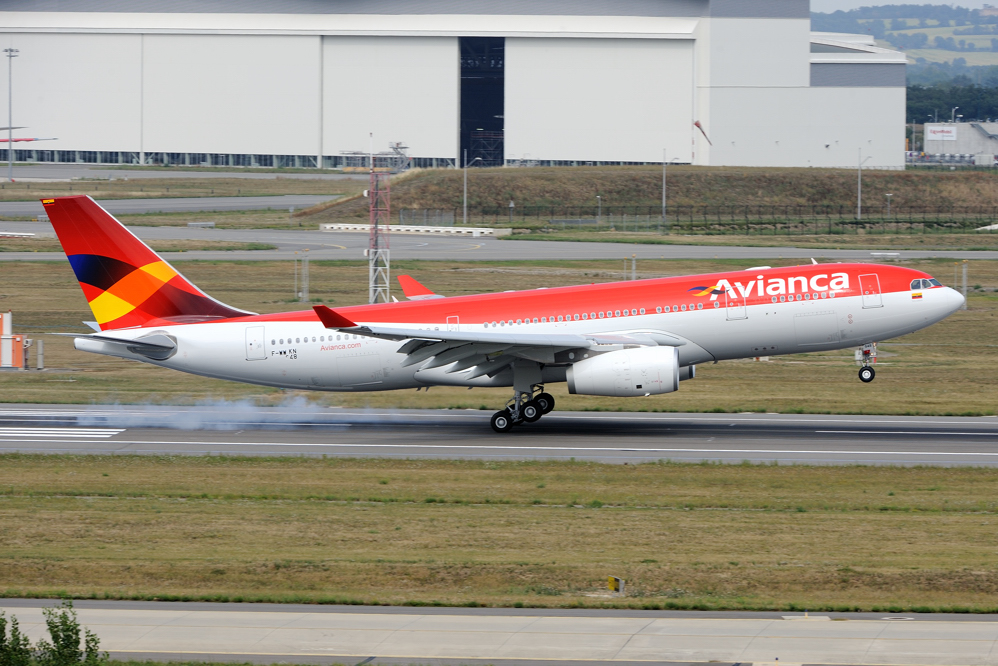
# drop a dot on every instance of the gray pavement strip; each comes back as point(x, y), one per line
point(41, 172)
point(178, 204)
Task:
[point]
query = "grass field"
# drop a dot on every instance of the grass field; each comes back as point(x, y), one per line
point(531, 533)
point(687, 185)
point(950, 368)
point(983, 240)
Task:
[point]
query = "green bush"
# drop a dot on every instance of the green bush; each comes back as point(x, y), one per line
point(62, 650)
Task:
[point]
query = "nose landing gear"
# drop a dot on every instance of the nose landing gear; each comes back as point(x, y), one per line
point(866, 355)
point(524, 407)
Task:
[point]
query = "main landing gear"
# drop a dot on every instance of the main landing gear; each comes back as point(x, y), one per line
point(524, 407)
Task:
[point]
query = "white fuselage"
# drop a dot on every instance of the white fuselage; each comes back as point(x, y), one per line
point(305, 355)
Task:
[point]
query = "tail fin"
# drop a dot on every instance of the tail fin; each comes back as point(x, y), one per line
point(125, 282)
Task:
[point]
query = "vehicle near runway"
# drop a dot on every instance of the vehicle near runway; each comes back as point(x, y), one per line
point(635, 338)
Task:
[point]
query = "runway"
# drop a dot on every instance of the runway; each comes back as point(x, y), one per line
point(297, 429)
point(48, 172)
point(328, 245)
point(177, 205)
point(269, 633)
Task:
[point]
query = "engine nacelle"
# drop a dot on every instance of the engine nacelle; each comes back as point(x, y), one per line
point(627, 373)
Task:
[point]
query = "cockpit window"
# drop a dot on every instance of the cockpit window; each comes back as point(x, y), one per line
point(935, 283)
point(916, 284)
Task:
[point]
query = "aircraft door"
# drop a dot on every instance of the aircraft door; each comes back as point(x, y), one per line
point(735, 304)
point(870, 286)
point(254, 343)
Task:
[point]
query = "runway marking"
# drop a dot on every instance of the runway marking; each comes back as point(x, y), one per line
point(451, 447)
point(102, 433)
point(907, 432)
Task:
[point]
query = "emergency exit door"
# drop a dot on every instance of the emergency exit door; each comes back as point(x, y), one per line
point(870, 286)
point(254, 343)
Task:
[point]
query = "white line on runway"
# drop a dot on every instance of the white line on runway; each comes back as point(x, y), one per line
point(581, 450)
point(907, 432)
point(84, 433)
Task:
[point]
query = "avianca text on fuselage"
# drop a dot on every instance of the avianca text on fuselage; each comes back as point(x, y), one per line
point(635, 338)
point(819, 285)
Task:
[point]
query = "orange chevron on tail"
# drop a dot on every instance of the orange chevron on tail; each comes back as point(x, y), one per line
point(124, 281)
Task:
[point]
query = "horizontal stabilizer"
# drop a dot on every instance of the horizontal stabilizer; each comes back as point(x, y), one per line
point(415, 290)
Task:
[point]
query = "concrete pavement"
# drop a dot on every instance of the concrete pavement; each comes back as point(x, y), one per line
point(335, 245)
point(174, 631)
point(175, 205)
point(296, 429)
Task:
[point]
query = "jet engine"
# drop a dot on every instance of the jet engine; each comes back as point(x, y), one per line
point(626, 373)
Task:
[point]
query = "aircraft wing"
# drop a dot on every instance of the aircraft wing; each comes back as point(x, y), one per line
point(482, 349)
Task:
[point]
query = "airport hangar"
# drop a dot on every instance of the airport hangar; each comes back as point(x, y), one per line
point(551, 82)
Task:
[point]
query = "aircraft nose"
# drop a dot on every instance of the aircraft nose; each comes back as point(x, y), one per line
point(954, 299)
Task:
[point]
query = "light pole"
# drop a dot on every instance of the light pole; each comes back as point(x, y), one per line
point(953, 114)
point(664, 162)
point(859, 188)
point(599, 209)
point(466, 165)
point(11, 54)
point(511, 206)
point(889, 207)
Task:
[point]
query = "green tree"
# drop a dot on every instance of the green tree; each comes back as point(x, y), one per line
point(64, 648)
point(15, 649)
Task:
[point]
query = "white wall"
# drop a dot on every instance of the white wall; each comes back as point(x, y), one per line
point(760, 52)
point(83, 89)
point(598, 99)
point(231, 94)
point(400, 88)
point(792, 126)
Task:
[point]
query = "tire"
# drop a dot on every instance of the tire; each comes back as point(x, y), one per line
point(866, 374)
point(502, 421)
point(531, 411)
point(546, 401)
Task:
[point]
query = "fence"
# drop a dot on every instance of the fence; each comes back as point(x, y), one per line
point(771, 220)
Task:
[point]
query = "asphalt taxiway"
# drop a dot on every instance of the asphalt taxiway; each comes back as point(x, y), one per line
point(177, 204)
point(269, 633)
point(344, 245)
point(299, 429)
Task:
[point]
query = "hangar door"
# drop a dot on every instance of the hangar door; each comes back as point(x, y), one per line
point(598, 99)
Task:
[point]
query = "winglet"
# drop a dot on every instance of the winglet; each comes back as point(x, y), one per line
point(414, 290)
point(331, 318)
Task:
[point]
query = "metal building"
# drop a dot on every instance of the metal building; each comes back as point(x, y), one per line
point(300, 82)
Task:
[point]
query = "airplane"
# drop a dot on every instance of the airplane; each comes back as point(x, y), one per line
point(635, 338)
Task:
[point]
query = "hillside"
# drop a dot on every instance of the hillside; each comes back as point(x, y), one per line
point(964, 38)
point(618, 187)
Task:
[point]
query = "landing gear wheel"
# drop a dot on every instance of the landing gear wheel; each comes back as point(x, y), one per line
point(546, 401)
point(866, 374)
point(531, 411)
point(502, 421)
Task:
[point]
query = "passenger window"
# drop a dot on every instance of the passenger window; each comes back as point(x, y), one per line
point(519, 321)
point(658, 310)
point(561, 318)
point(273, 342)
point(916, 284)
point(576, 317)
point(634, 313)
point(616, 313)
point(544, 320)
point(783, 299)
point(684, 307)
point(641, 311)
point(699, 306)
point(600, 315)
